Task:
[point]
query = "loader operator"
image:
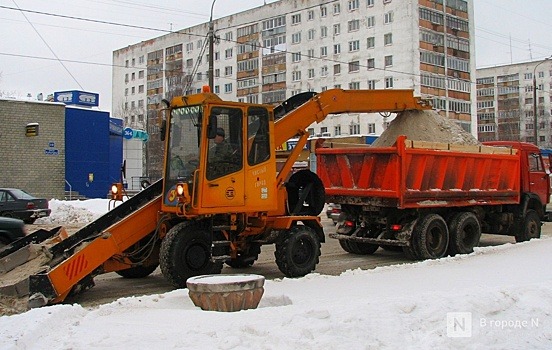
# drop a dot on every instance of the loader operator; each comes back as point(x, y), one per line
point(222, 150)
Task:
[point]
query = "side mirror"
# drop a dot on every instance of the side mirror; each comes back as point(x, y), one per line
point(212, 128)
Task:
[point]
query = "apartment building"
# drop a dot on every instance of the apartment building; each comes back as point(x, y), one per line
point(270, 53)
point(506, 102)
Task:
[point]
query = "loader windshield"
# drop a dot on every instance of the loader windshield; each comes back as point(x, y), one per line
point(183, 152)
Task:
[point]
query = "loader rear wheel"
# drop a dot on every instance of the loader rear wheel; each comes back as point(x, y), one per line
point(465, 233)
point(305, 182)
point(297, 251)
point(430, 237)
point(186, 252)
point(531, 227)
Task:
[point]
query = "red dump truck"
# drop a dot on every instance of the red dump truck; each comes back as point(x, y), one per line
point(434, 199)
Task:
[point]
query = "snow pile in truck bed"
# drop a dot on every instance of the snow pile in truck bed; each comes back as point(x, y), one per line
point(424, 126)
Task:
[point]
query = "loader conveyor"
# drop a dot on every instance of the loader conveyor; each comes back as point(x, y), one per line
point(76, 259)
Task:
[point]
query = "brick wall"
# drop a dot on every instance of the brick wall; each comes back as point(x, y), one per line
point(35, 164)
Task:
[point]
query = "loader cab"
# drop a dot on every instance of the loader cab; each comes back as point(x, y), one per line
point(224, 154)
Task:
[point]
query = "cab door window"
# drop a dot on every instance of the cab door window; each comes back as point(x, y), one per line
point(258, 135)
point(224, 153)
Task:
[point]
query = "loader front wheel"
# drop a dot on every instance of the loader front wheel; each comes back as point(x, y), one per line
point(297, 251)
point(186, 252)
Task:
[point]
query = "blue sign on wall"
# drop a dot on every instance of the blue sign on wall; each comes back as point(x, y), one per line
point(76, 97)
point(129, 133)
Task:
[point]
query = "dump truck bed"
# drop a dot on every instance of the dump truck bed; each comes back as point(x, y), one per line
point(417, 174)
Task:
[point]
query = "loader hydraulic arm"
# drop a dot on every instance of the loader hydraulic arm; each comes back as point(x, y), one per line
point(337, 101)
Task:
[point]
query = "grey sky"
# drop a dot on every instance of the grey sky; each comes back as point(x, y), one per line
point(506, 31)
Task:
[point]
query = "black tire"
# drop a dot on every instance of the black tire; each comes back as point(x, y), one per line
point(137, 271)
point(410, 253)
point(362, 248)
point(186, 252)
point(246, 259)
point(345, 245)
point(315, 200)
point(29, 221)
point(531, 227)
point(392, 248)
point(430, 237)
point(464, 233)
point(297, 251)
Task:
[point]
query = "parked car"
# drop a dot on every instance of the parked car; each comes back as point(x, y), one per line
point(16, 203)
point(333, 211)
point(11, 230)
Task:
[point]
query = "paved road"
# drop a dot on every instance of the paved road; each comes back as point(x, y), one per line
point(333, 261)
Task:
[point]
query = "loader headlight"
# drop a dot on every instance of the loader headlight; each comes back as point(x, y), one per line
point(180, 189)
point(114, 189)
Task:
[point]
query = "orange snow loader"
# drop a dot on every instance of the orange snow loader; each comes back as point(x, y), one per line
point(222, 197)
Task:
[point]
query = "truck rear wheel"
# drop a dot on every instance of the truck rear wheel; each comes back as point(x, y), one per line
point(430, 237)
point(186, 252)
point(358, 247)
point(465, 233)
point(531, 227)
point(297, 251)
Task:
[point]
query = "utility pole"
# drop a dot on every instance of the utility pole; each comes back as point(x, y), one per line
point(211, 49)
point(535, 111)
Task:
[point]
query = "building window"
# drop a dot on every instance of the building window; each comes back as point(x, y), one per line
point(323, 11)
point(353, 4)
point(354, 45)
point(323, 31)
point(371, 84)
point(370, 21)
point(337, 49)
point(371, 42)
point(198, 44)
point(296, 19)
point(228, 53)
point(228, 36)
point(354, 66)
point(189, 47)
point(324, 71)
point(336, 29)
point(141, 74)
point(133, 89)
point(354, 129)
point(296, 56)
point(228, 70)
point(371, 63)
point(353, 25)
point(141, 89)
point(310, 73)
point(388, 82)
point(310, 15)
point(337, 69)
point(336, 9)
point(310, 34)
point(371, 128)
point(323, 51)
point(369, 3)
point(310, 54)
point(140, 103)
point(337, 130)
point(228, 87)
point(296, 38)
point(296, 75)
point(388, 60)
point(388, 17)
point(388, 39)
point(355, 85)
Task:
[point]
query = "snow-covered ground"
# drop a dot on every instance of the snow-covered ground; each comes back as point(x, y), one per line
point(496, 298)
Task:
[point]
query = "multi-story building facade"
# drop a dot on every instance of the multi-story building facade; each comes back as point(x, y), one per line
point(506, 104)
point(272, 52)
